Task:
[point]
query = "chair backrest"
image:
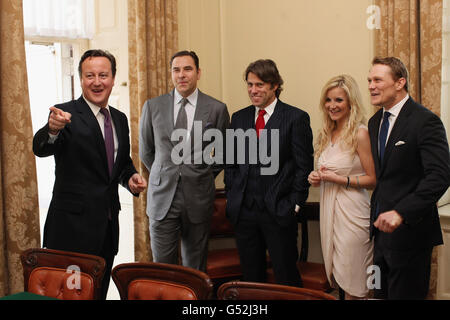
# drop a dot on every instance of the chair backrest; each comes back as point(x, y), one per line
point(160, 281)
point(309, 211)
point(220, 225)
point(240, 290)
point(62, 274)
point(222, 228)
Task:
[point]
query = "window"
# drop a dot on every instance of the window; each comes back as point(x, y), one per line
point(52, 79)
point(72, 19)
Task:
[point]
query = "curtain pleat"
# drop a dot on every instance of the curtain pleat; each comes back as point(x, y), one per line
point(412, 31)
point(152, 40)
point(19, 208)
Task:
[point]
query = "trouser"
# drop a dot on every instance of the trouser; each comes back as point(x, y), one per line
point(405, 274)
point(256, 232)
point(165, 236)
point(108, 254)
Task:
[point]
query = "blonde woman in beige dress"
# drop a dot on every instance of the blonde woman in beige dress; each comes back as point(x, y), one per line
point(345, 171)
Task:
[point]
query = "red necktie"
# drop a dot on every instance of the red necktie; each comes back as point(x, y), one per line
point(260, 121)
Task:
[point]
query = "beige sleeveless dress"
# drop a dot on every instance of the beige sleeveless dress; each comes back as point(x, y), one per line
point(344, 224)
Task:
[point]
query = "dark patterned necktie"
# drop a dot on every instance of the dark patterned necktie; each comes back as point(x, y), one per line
point(383, 134)
point(109, 139)
point(382, 140)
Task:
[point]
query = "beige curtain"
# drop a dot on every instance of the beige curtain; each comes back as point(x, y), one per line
point(412, 31)
point(152, 40)
point(19, 209)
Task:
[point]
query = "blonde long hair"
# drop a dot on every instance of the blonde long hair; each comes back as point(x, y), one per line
point(355, 119)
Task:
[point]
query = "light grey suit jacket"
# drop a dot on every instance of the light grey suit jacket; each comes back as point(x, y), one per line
point(155, 149)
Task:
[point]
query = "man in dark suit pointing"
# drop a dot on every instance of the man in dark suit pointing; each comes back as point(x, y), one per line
point(90, 143)
point(412, 165)
point(265, 188)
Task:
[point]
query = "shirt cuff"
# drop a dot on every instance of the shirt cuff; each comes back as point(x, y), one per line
point(52, 138)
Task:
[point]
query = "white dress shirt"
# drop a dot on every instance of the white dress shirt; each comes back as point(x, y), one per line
point(269, 111)
point(101, 122)
point(395, 110)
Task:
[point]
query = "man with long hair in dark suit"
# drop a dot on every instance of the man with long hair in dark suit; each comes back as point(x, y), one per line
point(262, 195)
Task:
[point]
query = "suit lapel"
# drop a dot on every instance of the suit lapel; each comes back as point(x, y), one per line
point(401, 124)
point(170, 117)
point(250, 119)
point(119, 133)
point(91, 122)
point(374, 138)
point(248, 122)
point(275, 119)
point(202, 111)
point(274, 122)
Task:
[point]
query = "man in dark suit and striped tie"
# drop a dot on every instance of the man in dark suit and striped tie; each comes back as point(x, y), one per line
point(91, 145)
point(412, 165)
point(262, 197)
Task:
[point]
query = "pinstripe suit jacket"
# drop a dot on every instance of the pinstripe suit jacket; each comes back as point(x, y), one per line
point(289, 185)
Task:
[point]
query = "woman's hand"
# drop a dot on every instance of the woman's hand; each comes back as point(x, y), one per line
point(328, 175)
point(314, 178)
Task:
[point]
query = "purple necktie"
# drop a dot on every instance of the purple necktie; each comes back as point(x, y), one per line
point(109, 140)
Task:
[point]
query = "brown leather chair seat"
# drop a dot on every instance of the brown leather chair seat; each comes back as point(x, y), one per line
point(52, 282)
point(160, 281)
point(146, 289)
point(62, 274)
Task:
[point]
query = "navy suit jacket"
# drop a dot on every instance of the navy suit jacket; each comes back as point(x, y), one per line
point(414, 174)
point(289, 185)
point(84, 195)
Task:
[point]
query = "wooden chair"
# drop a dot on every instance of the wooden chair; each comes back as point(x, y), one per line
point(268, 291)
point(160, 281)
point(313, 274)
point(62, 274)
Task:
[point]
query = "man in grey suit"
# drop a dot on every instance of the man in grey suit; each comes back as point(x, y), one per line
point(181, 193)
